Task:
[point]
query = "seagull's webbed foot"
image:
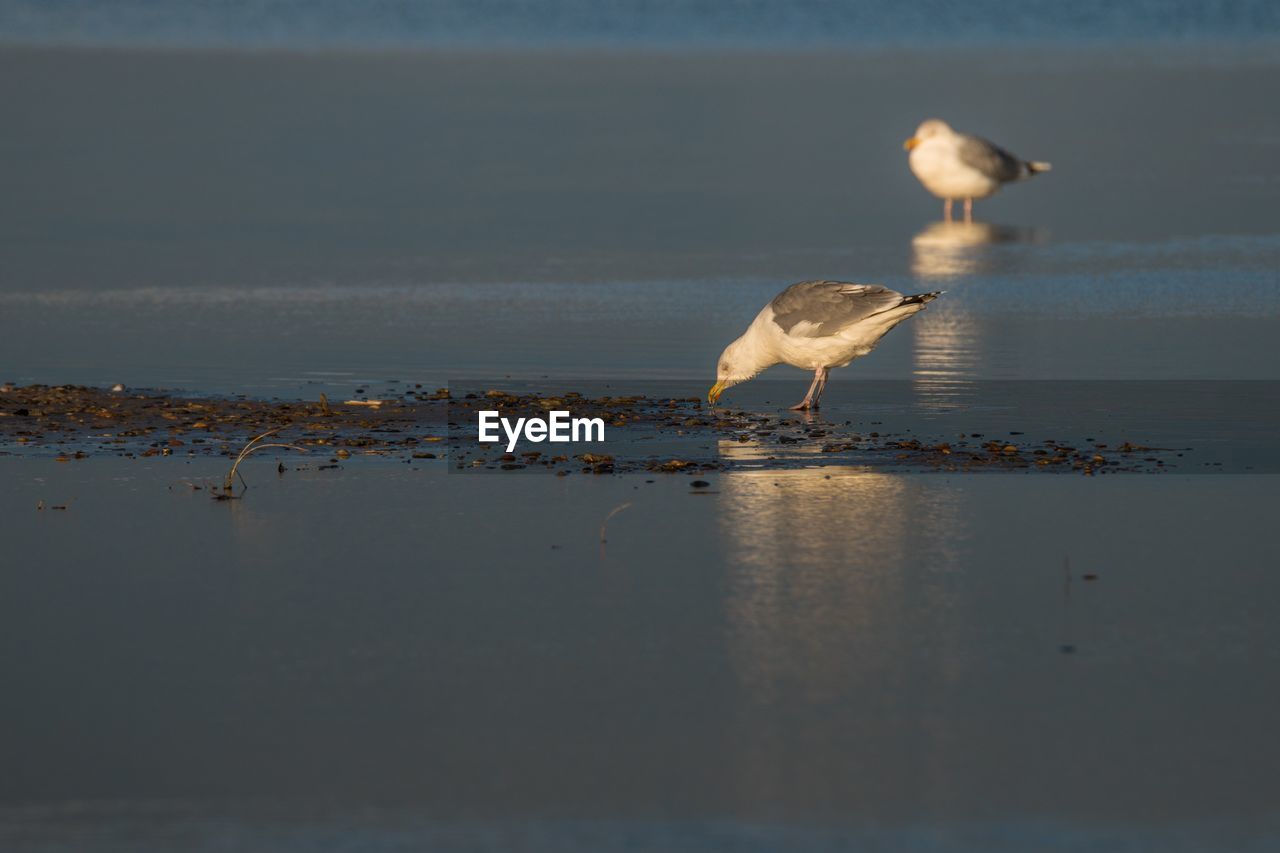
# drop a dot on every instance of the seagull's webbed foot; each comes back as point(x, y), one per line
point(802, 406)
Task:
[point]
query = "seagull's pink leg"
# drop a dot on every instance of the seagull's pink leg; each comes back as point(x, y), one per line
point(946, 209)
point(968, 210)
point(822, 386)
point(804, 404)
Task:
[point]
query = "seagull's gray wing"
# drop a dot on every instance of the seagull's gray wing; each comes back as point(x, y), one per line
point(815, 309)
point(989, 159)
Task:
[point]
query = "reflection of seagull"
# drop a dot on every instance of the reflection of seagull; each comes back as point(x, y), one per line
point(800, 591)
point(815, 325)
point(954, 165)
point(944, 249)
point(963, 234)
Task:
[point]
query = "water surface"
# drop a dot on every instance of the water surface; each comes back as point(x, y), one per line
point(255, 221)
point(382, 656)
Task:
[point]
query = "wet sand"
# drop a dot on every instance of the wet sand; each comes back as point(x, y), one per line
point(1099, 429)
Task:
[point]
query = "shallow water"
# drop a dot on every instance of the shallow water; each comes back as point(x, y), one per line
point(557, 23)
point(345, 218)
point(381, 656)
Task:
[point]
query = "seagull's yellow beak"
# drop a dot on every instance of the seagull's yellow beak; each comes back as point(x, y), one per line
point(715, 392)
point(911, 143)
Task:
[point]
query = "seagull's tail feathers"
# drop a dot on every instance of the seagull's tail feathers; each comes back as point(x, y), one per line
point(922, 298)
point(1035, 167)
point(908, 307)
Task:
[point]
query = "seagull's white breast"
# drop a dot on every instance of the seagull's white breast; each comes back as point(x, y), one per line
point(936, 163)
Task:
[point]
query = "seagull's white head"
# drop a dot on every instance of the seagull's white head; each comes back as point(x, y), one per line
point(933, 128)
point(740, 361)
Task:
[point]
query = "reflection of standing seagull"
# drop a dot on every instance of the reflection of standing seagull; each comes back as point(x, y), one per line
point(815, 325)
point(954, 165)
point(949, 249)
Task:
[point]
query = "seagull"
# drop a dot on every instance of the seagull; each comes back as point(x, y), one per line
point(954, 165)
point(815, 325)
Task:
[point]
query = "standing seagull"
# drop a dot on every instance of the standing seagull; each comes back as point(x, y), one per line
point(954, 165)
point(816, 325)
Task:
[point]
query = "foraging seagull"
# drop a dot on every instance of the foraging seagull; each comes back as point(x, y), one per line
point(816, 325)
point(954, 165)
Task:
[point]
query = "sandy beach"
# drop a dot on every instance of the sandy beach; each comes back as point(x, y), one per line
point(1008, 591)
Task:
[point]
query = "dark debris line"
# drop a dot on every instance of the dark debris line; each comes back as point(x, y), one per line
point(73, 422)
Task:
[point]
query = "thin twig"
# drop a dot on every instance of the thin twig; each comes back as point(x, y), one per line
point(605, 523)
point(253, 447)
